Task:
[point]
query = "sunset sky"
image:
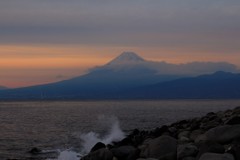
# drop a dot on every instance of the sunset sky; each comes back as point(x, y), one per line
point(50, 40)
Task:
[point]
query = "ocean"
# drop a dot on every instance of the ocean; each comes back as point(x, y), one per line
point(65, 130)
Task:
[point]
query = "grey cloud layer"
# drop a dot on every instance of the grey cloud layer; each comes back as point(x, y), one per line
point(212, 25)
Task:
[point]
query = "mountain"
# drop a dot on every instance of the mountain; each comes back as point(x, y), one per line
point(126, 58)
point(126, 72)
point(220, 85)
point(131, 61)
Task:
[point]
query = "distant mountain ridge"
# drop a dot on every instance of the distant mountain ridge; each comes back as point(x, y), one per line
point(130, 60)
point(127, 72)
point(220, 85)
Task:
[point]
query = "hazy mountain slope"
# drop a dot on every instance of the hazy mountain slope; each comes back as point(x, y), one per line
point(217, 85)
point(124, 72)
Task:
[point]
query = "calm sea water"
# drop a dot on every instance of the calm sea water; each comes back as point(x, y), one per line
point(59, 125)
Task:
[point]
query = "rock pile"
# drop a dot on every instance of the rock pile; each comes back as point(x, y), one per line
point(215, 136)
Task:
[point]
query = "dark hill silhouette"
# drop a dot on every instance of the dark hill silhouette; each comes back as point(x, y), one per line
point(219, 85)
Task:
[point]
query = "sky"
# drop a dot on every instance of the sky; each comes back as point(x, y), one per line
point(43, 41)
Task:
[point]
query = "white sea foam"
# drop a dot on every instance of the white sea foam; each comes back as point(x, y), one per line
point(68, 155)
point(90, 139)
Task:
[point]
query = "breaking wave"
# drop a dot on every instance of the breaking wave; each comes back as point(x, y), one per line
point(89, 139)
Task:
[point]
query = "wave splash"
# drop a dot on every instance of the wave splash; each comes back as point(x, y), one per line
point(89, 139)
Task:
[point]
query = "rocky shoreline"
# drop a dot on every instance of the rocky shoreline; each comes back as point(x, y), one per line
point(215, 136)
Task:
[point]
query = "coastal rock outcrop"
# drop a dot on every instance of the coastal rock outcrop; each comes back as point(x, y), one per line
point(221, 134)
point(215, 136)
point(163, 147)
point(125, 152)
point(216, 156)
point(100, 154)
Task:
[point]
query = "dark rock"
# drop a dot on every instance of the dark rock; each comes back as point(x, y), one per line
point(209, 125)
point(210, 121)
point(125, 153)
point(195, 124)
point(187, 150)
point(189, 158)
point(183, 124)
point(210, 114)
point(183, 137)
point(184, 134)
point(163, 147)
point(183, 140)
point(194, 134)
point(137, 140)
point(235, 151)
point(35, 151)
point(135, 132)
point(160, 131)
point(100, 154)
point(209, 146)
point(173, 132)
point(126, 141)
point(97, 146)
point(221, 134)
point(216, 156)
point(236, 111)
point(233, 120)
point(234, 148)
point(172, 129)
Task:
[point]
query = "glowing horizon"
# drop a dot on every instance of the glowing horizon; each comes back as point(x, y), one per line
point(55, 65)
point(48, 41)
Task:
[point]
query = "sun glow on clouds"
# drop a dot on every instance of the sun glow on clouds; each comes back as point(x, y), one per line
point(25, 65)
point(47, 41)
point(30, 65)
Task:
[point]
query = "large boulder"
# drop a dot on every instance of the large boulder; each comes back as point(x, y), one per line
point(98, 146)
point(100, 154)
point(216, 156)
point(209, 125)
point(234, 120)
point(125, 152)
point(209, 146)
point(183, 137)
point(234, 148)
point(189, 158)
point(162, 148)
point(186, 150)
point(236, 111)
point(222, 134)
point(35, 150)
point(195, 133)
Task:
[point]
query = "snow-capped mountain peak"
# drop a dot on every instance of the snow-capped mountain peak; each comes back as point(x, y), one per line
point(127, 58)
